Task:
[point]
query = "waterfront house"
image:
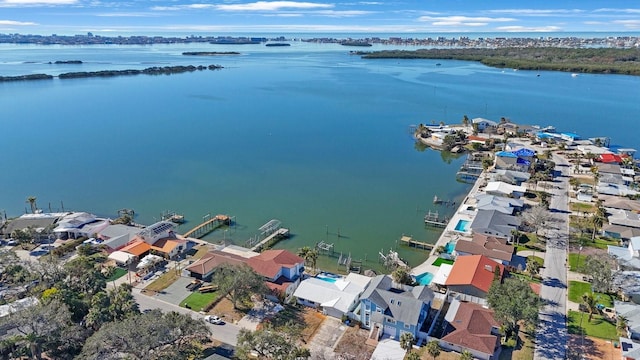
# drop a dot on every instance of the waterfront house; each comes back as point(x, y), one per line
point(390, 309)
point(494, 223)
point(492, 247)
point(37, 221)
point(79, 224)
point(630, 349)
point(114, 237)
point(473, 275)
point(204, 268)
point(502, 204)
point(281, 269)
point(503, 189)
point(484, 124)
point(609, 158)
point(137, 248)
point(170, 247)
point(506, 160)
point(471, 327)
point(513, 177)
point(336, 297)
point(157, 231)
point(631, 312)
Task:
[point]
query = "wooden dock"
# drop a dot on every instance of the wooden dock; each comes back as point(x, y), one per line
point(281, 233)
point(208, 225)
point(433, 219)
point(408, 240)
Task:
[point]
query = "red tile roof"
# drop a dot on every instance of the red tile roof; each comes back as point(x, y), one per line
point(473, 325)
point(474, 270)
point(136, 247)
point(610, 158)
point(269, 262)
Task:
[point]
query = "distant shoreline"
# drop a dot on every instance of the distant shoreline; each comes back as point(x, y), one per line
point(591, 60)
point(167, 70)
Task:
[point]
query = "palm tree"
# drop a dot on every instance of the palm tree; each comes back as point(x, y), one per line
point(412, 355)
point(533, 267)
point(621, 325)
point(596, 220)
point(466, 355)
point(309, 255)
point(515, 234)
point(406, 341)
point(589, 302)
point(32, 202)
point(433, 348)
point(465, 120)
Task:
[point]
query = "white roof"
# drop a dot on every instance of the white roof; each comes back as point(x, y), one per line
point(504, 188)
point(479, 120)
point(441, 276)
point(341, 295)
point(121, 257)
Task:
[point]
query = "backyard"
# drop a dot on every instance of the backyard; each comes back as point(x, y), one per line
point(198, 301)
point(117, 274)
point(579, 288)
point(599, 327)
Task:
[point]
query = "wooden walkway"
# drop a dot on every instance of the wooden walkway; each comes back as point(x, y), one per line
point(208, 226)
point(408, 240)
point(276, 235)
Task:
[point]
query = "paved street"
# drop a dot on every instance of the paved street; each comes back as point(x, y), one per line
point(551, 335)
point(227, 333)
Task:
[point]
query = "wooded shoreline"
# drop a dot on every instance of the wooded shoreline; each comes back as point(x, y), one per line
point(583, 60)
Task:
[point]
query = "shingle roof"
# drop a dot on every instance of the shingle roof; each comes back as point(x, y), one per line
point(474, 270)
point(486, 245)
point(473, 325)
point(403, 306)
point(494, 222)
point(212, 260)
point(269, 262)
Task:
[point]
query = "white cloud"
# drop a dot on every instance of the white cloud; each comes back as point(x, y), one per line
point(516, 28)
point(626, 11)
point(629, 24)
point(15, 23)
point(272, 6)
point(18, 3)
point(462, 20)
point(124, 14)
point(536, 12)
point(341, 13)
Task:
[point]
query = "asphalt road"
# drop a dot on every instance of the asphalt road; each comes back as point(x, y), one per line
point(551, 335)
point(226, 333)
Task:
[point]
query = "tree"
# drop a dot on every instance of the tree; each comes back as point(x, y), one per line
point(513, 301)
point(465, 120)
point(32, 203)
point(239, 282)
point(533, 267)
point(401, 276)
point(412, 355)
point(621, 325)
point(406, 341)
point(515, 235)
point(600, 267)
point(536, 217)
point(152, 336)
point(590, 303)
point(575, 183)
point(466, 355)
point(433, 348)
point(270, 343)
point(309, 255)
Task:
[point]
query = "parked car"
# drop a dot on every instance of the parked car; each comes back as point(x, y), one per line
point(213, 319)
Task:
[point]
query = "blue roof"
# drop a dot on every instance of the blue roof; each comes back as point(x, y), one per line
point(570, 134)
point(523, 161)
point(506, 154)
point(542, 135)
point(524, 152)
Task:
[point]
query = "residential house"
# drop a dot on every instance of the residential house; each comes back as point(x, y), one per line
point(79, 224)
point(630, 349)
point(627, 282)
point(492, 247)
point(608, 158)
point(569, 136)
point(204, 268)
point(495, 223)
point(503, 189)
point(114, 237)
point(502, 204)
point(122, 258)
point(631, 312)
point(627, 257)
point(137, 248)
point(506, 160)
point(171, 247)
point(37, 222)
point(473, 275)
point(619, 203)
point(473, 328)
point(281, 269)
point(513, 177)
point(484, 124)
point(620, 232)
point(334, 298)
point(625, 218)
point(157, 231)
point(391, 309)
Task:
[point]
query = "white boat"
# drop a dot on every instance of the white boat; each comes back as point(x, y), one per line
point(574, 75)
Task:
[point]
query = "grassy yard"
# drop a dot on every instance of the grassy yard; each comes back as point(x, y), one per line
point(598, 243)
point(579, 288)
point(576, 262)
point(598, 327)
point(582, 207)
point(440, 261)
point(526, 277)
point(198, 301)
point(538, 259)
point(117, 274)
point(524, 350)
point(163, 281)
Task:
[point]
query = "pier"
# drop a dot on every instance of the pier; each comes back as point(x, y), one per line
point(208, 225)
point(271, 233)
point(470, 170)
point(433, 219)
point(408, 240)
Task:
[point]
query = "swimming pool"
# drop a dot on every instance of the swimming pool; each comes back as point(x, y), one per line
point(328, 277)
point(424, 278)
point(449, 248)
point(462, 226)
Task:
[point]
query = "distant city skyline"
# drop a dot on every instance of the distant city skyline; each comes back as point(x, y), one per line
point(67, 17)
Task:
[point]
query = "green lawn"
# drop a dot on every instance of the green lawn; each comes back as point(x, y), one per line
point(582, 207)
point(198, 301)
point(538, 259)
point(440, 261)
point(117, 274)
point(576, 262)
point(598, 327)
point(579, 288)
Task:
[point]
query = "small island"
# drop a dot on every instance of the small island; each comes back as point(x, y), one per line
point(210, 53)
point(277, 44)
point(61, 62)
point(355, 43)
point(582, 60)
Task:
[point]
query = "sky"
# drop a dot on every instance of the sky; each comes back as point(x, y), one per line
point(105, 17)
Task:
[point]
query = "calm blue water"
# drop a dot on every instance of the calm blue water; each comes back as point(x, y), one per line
point(308, 134)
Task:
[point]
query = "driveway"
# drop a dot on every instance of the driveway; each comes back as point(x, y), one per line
point(326, 338)
point(175, 292)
